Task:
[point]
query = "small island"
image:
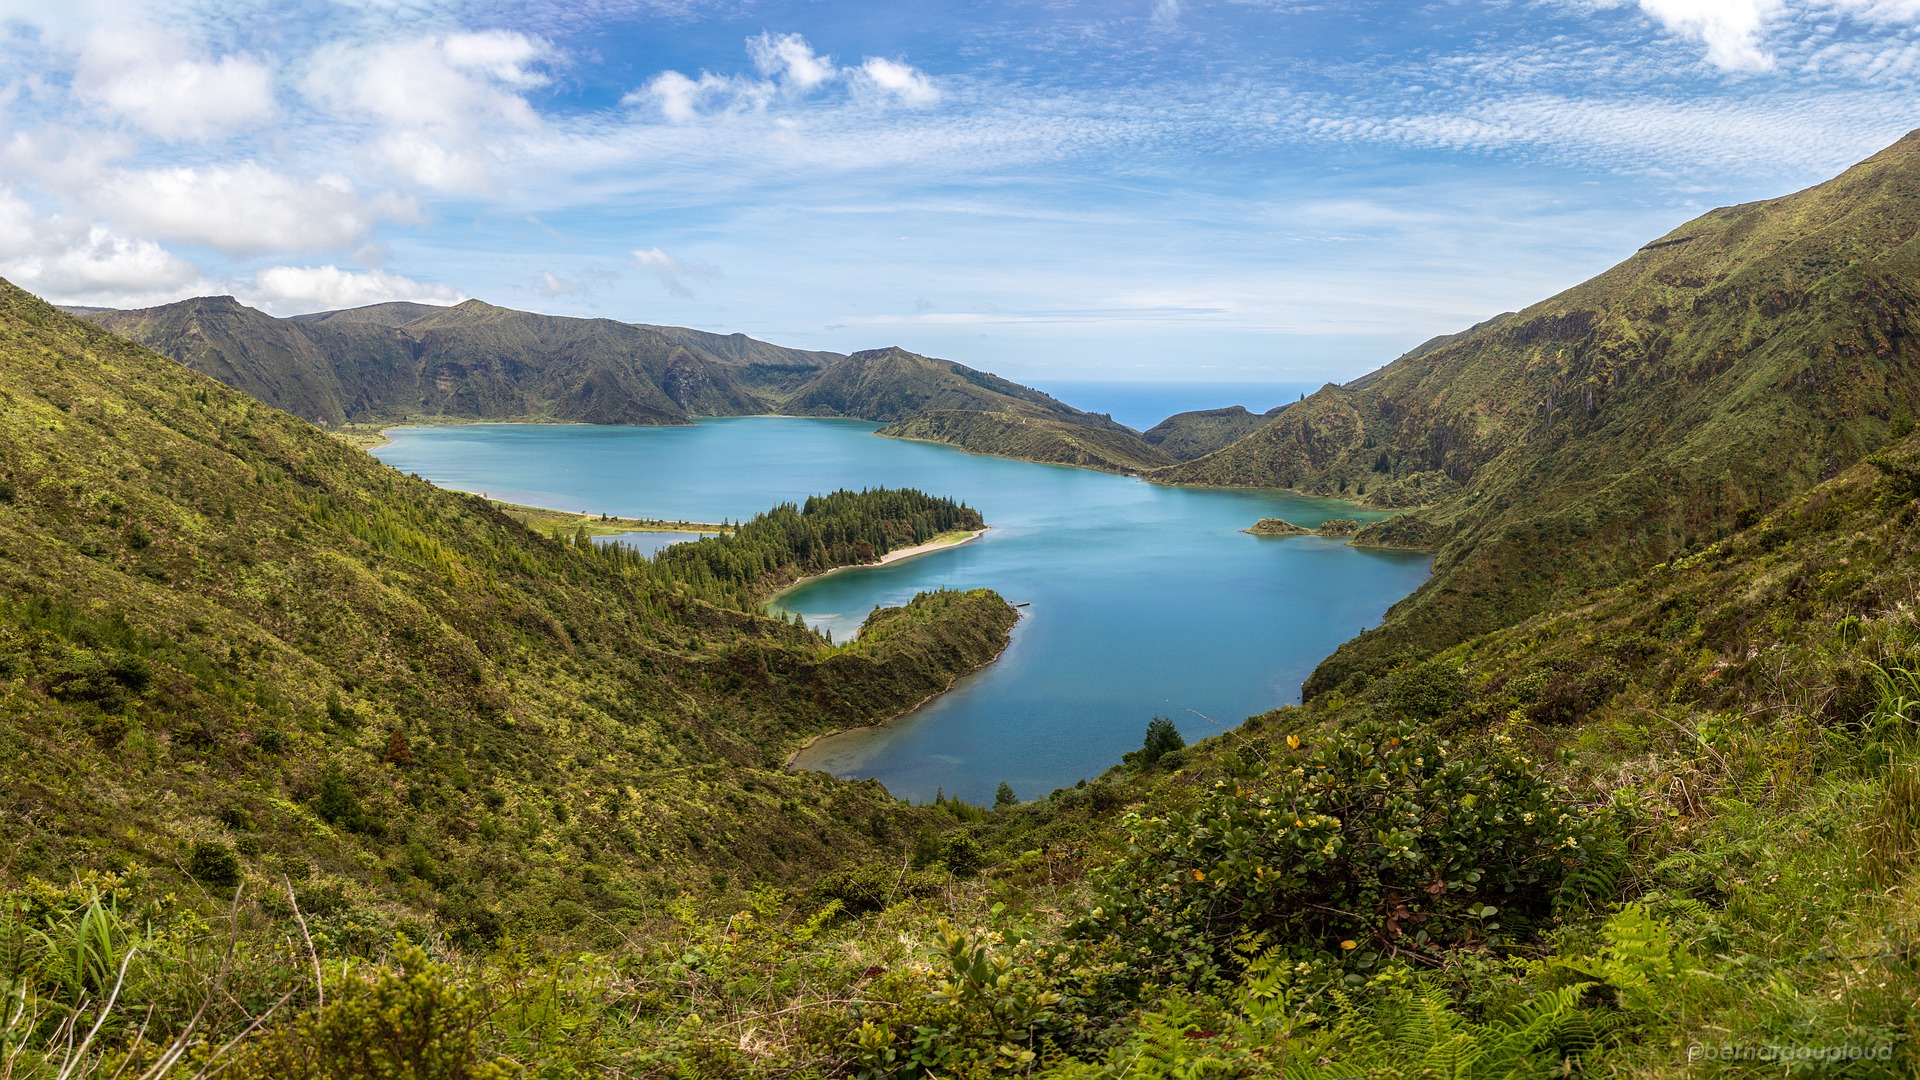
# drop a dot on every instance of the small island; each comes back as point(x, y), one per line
point(1276, 527)
point(1333, 528)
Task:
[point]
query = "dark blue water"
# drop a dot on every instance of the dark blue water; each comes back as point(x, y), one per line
point(1144, 600)
point(1141, 405)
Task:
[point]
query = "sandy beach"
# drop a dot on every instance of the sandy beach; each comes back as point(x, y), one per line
point(936, 544)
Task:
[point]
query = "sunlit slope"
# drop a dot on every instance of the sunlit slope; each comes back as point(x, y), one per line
point(1724, 367)
point(219, 622)
point(1033, 436)
point(1189, 435)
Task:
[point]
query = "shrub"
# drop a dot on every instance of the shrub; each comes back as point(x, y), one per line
point(413, 1021)
point(214, 863)
point(962, 854)
point(1426, 690)
point(1381, 841)
point(337, 802)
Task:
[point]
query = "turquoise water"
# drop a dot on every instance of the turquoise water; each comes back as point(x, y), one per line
point(646, 543)
point(1143, 600)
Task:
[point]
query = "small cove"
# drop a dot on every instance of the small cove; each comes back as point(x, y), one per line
point(1143, 600)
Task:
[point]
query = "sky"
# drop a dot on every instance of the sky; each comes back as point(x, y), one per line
point(1244, 190)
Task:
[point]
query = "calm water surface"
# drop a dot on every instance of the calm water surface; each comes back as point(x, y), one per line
point(1143, 600)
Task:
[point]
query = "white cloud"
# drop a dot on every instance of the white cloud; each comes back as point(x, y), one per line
point(1166, 13)
point(1879, 11)
point(553, 285)
point(670, 270)
point(682, 100)
point(789, 64)
point(296, 289)
point(1732, 29)
point(246, 208)
point(90, 264)
point(789, 58)
point(72, 262)
point(152, 80)
point(903, 81)
point(450, 108)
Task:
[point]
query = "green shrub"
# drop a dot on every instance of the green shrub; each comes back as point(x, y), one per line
point(962, 854)
point(413, 1021)
point(1426, 690)
point(337, 802)
point(214, 863)
point(1380, 841)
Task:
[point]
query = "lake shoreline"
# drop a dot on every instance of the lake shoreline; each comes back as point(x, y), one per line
point(548, 518)
point(1131, 583)
point(371, 437)
point(809, 742)
point(894, 556)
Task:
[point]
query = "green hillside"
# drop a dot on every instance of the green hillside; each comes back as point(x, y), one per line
point(222, 630)
point(412, 362)
point(1681, 815)
point(1033, 437)
point(1719, 371)
point(1188, 435)
point(318, 771)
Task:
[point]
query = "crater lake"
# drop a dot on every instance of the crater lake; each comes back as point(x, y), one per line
point(1142, 600)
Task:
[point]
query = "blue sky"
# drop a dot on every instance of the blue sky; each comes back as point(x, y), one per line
point(1160, 189)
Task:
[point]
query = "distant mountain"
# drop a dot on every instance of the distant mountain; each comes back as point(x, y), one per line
point(474, 361)
point(1725, 367)
point(1034, 436)
point(1188, 435)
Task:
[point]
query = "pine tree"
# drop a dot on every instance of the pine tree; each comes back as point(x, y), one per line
point(1162, 739)
point(1005, 796)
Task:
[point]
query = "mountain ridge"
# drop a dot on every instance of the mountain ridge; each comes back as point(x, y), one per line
point(1722, 368)
point(399, 362)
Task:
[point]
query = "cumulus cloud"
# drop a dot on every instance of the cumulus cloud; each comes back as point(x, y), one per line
point(446, 105)
point(790, 68)
point(904, 82)
point(1731, 29)
point(670, 271)
point(72, 263)
point(152, 80)
point(246, 208)
point(683, 100)
point(296, 289)
point(789, 58)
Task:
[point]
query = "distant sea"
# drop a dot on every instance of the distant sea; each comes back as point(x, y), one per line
point(1141, 405)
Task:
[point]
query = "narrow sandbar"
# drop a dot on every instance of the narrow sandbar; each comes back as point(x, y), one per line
point(938, 543)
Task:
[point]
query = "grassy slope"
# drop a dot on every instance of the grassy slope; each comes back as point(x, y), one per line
point(1718, 372)
point(1715, 714)
point(474, 361)
point(1719, 711)
point(1188, 435)
point(1032, 438)
point(219, 624)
